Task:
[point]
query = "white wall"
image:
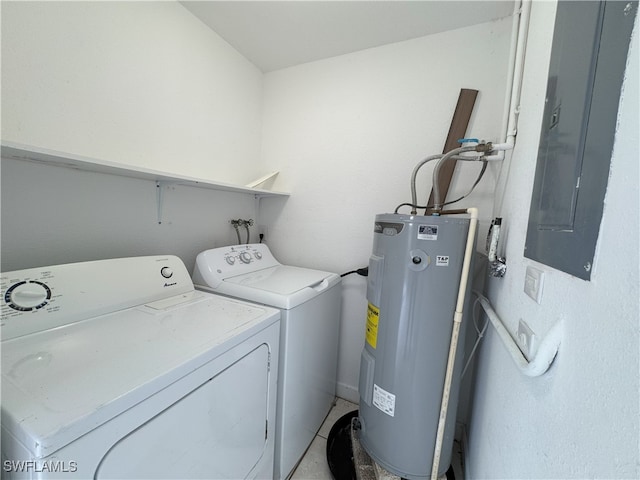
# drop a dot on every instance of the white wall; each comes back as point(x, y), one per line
point(345, 134)
point(580, 420)
point(53, 215)
point(141, 83)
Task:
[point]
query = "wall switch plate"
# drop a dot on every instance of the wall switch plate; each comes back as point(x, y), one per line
point(527, 339)
point(533, 283)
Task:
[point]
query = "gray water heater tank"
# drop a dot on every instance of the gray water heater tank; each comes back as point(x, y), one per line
point(412, 289)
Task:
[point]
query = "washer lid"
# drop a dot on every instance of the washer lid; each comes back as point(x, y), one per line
point(62, 383)
point(282, 286)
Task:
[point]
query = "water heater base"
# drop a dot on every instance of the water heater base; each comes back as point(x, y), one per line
point(348, 460)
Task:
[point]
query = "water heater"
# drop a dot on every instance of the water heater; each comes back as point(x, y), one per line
point(412, 292)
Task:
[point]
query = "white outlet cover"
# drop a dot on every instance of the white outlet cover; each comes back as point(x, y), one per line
point(527, 339)
point(533, 281)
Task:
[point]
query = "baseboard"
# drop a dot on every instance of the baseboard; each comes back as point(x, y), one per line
point(348, 392)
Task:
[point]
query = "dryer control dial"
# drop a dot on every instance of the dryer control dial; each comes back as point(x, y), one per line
point(166, 272)
point(28, 295)
point(245, 257)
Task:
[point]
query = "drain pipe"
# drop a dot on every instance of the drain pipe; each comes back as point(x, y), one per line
point(457, 320)
point(547, 350)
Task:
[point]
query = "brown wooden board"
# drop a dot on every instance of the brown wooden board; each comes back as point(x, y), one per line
point(457, 130)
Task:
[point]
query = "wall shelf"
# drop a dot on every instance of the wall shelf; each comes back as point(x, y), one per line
point(17, 151)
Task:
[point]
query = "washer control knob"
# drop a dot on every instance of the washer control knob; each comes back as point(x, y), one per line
point(258, 255)
point(230, 260)
point(166, 272)
point(245, 257)
point(27, 296)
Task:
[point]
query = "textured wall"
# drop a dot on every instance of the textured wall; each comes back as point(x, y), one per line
point(581, 419)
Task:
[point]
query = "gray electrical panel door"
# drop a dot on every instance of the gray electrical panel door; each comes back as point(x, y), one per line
point(589, 53)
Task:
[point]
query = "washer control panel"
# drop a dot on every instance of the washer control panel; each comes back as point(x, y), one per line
point(37, 299)
point(213, 266)
point(243, 254)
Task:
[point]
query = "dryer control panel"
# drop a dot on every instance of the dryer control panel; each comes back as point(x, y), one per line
point(41, 298)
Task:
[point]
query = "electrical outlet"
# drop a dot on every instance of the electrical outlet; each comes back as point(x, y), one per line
point(527, 339)
point(533, 283)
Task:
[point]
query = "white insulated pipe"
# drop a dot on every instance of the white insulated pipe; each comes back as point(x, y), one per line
point(513, 51)
point(514, 81)
point(546, 351)
point(453, 346)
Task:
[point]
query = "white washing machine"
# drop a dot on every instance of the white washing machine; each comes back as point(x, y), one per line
point(120, 369)
point(310, 302)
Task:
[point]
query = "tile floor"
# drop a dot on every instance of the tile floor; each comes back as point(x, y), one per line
point(313, 465)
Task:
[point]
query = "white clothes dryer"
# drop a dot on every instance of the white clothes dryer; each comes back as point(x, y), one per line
point(310, 303)
point(120, 369)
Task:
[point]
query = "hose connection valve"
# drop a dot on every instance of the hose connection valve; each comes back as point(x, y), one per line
point(484, 147)
point(480, 146)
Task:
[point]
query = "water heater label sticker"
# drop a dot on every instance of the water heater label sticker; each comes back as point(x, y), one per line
point(373, 316)
point(442, 260)
point(384, 400)
point(427, 232)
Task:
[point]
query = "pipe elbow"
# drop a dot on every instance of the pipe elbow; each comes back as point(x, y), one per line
point(497, 147)
point(546, 353)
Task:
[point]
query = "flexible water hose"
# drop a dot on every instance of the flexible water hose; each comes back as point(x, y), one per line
point(437, 201)
point(414, 195)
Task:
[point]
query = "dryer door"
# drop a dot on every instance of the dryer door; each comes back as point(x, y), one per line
point(217, 431)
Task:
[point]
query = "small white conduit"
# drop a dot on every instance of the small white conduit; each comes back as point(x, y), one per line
point(547, 349)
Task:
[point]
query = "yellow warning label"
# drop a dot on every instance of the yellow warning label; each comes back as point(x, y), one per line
point(373, 316)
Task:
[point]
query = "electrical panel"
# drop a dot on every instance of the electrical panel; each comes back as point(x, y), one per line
point(588, 58)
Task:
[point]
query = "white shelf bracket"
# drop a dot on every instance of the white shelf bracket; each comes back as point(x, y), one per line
point(159, 198)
